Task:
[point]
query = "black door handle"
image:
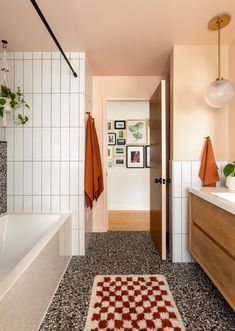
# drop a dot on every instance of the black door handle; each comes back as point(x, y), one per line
point(162, 181)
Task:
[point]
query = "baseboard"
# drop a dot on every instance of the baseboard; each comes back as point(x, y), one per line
point(129, 220)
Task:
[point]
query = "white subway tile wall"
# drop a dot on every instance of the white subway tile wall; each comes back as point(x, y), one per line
point(184, 174)
point(46, 156)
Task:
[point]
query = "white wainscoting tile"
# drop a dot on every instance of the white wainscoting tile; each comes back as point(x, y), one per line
point(28, 76)
point(65, 77)
point(37, 203)
point(81, 178)
point(65, 179)
point(19, 73)
point(46, 204)
point(176, 179)
point(64, 144)
point(74, 172)
point(46, 144)
point(74, 144)
point(196, 181)
point(28, 148)
point(74, 110)
point(28, 204)
point(46, 110)
point(75, 244)
point(177, 215)
point(37, 178)
point(55, 111)
point(219, 165)
point(74, 81)
point(10, 204)
point(186, 177)
point(64, 202)
point(28, 178)
point(46, 76)
point(185, 215)
point(55, 76)
point(55, 141)
point(55, 178)
point(18, 144)
point(177, 248)
point(74, 209)
point(18, 204)
point(65, 110)
point(10, 143)
point(18, 178)
point(37, 55)
point(46, 178)
point(55, 204)
point(37, 110)
point(81, 142)
point(37, 76)
point(82, 76)
point(81, 241)
point(37, 144)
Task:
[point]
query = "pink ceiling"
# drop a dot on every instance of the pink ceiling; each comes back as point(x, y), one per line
point(120, 37)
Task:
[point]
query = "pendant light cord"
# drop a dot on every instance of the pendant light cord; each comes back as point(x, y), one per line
point(218, 23)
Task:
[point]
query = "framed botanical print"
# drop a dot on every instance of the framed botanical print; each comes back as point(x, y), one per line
point(121, 134)
point(121, 141)
point(119, 161)
point(119, 151)
point(119, 125)
point(136, 132)
point(135, 156)
point(111, 138)
point(110, 125)
point(110, 152)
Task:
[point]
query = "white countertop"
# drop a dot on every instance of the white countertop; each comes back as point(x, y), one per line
point(206, 193)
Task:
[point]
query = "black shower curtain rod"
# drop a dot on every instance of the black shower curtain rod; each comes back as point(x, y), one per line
point(38, 10)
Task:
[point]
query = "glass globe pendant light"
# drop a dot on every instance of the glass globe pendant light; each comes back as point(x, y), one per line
point(221, 91)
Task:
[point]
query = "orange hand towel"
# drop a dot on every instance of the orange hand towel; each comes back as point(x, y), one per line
point(89, 196)
point(93, 167)
point(208, 170)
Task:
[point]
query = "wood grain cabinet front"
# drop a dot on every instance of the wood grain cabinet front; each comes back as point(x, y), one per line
point(212, 244)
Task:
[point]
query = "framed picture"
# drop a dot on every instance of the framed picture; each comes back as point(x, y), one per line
point(111, 138)
point(110, 125)
point(147, 156)
point(109, 163)
point(136, 132)
point(121, 134)
point(120, 125)
point(110, 152)
point(135, 156)
point(119, 161)
point(121, 141)
point(119, 151)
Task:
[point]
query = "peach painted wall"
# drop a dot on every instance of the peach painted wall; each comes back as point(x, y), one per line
point(232, 105)
point(114, 88)
point(193, 69)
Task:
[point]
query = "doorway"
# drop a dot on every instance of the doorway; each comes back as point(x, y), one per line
point(128, 172)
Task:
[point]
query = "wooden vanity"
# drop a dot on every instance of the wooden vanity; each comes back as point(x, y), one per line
point(212, 238)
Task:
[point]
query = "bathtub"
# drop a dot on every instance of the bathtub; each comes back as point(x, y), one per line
point(35, 250)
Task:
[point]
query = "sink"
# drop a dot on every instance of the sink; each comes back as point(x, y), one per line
point(225, 195)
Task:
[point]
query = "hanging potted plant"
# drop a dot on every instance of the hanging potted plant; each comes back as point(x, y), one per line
point(9, 101)
point(229, 173)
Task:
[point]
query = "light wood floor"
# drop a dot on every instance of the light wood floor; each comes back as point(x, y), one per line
point(129, 220)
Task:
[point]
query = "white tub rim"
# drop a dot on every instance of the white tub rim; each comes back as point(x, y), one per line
point(19, 269)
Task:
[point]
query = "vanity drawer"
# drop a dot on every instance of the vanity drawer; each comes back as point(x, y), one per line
point(216, 222)
point(219, 266)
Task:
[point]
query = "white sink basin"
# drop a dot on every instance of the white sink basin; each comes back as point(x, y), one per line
point(227, 196)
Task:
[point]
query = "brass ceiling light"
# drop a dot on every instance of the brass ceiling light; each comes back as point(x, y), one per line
point(221, 91)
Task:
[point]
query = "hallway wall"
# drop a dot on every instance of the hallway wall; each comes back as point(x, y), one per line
point(114, 88)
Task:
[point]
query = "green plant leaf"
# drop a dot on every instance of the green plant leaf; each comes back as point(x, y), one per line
point(229, 169)
point(2, 101)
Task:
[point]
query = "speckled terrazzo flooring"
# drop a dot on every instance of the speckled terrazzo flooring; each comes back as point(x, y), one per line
point(200, 304)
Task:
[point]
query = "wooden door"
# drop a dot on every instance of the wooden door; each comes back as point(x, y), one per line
point(158, 168)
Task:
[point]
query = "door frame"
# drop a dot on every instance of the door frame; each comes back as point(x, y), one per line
point(104, 152)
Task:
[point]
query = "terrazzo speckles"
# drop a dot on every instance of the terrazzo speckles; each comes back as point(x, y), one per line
point(3, 177)
point(200, 304)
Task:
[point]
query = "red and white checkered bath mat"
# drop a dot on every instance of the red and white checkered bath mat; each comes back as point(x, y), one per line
point(131, 303)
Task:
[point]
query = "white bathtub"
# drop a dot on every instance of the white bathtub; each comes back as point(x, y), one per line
point(35, 250)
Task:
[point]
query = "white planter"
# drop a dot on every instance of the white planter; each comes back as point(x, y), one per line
point(230, 182)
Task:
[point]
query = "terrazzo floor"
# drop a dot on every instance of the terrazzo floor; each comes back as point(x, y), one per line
point(200, 304)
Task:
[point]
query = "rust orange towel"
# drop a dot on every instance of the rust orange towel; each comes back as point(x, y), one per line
point(208, 170)
point(93, 167)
